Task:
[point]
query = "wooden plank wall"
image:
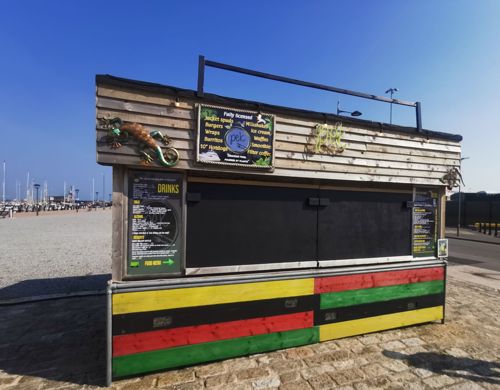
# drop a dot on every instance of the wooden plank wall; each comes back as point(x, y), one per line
point(370, 155)
point(162, 329)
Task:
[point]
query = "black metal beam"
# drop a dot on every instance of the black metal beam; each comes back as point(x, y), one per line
point(288, 80)
point(201, 77)
point(419, 116)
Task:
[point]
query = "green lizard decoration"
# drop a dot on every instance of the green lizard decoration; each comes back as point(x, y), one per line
point(119, 132)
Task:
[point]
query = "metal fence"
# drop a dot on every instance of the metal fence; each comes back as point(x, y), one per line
point(475, 208)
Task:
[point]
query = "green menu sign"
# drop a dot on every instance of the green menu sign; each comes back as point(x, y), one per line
point(235, 137)
point(154, 223)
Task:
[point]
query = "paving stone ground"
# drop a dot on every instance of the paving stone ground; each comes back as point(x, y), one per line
point(60, 344)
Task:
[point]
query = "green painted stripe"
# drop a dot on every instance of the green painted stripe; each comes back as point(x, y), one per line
point(376, 294)
point(193, 354)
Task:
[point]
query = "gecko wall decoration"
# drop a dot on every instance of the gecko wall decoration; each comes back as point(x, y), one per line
point(452, 178)
point(327, 139)
point(120, 132)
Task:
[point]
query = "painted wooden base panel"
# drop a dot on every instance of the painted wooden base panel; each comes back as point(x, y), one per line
point(210, 295)
point(168, 328)
point(343, 314)
point(168, 338)
point(377, 279)
point(378, 323)
point(379, 294)
point(193, 354)
point(209, 314)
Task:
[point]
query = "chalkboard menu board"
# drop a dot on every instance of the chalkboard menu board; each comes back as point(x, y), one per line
point(235, 137)
point(154, 223)
point(424, 222)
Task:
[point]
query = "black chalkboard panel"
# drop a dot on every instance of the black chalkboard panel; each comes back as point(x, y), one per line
point(364, 224)
point(239, 225)
point(231, 225)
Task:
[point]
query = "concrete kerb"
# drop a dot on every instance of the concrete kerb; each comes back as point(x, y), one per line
point(474, 240)
point(468, 234)
point(49, 297)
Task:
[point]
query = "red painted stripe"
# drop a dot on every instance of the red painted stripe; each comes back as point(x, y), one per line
point(376, 279)
point(168, 338)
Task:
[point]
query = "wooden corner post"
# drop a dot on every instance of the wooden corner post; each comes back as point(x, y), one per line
point(119, 210)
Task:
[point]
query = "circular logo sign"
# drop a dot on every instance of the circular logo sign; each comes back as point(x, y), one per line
point(237, 140)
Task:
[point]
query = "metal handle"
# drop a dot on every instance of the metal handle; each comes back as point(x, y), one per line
point(313, 202)
point(318, 202)
point(323, 202)
point(193, 197)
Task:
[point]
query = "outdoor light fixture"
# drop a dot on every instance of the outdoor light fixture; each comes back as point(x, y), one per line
point(352, 113)
point(391, 91)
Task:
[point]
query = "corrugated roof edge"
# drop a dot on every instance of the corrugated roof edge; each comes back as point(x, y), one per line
point(252, 105)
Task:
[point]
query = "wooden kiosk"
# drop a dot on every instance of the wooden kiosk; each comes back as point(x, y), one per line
point(241, 227)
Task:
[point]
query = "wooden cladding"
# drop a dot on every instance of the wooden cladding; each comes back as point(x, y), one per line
point(370, 154)
point(209, 295)
point(162, 329)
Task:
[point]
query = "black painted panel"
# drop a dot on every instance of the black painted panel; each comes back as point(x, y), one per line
point(328, 316)
point(239, 225)
point(364, 224)
point(199, 315)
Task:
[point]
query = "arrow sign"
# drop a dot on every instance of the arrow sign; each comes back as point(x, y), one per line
point(168, 262)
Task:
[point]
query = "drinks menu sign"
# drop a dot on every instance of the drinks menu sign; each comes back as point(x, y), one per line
point(424, 222)
point(154, 223)
point(235, 137)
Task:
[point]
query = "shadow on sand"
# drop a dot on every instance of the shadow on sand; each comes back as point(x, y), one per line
point(58, 339)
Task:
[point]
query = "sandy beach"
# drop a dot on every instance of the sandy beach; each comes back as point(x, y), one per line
point(55, 252)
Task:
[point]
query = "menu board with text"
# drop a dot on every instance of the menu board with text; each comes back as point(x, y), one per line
point(154, 223)
point(235, 137)
point(425, 206)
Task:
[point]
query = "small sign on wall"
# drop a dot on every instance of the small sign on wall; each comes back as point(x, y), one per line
point(443, 247)
point(235, 137)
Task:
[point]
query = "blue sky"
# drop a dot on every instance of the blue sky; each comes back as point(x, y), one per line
point(445, 54)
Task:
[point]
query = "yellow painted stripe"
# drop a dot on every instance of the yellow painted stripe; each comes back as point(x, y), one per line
point(378, 323)
point(134, 302)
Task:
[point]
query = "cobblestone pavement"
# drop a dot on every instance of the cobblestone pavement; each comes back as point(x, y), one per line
point(60, 344)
